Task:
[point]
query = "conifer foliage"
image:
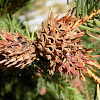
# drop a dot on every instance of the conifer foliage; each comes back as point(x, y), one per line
point(58, 50)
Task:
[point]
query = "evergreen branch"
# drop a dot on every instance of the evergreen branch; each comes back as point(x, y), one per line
point(97, 37)
point(82, 27)
point(10, 24)
point(85, 7)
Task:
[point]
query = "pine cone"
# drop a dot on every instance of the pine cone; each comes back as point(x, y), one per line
point(57, 43)
point(16, 50)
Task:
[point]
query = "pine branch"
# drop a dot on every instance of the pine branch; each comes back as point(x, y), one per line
point(86, 7)
point(10, 24)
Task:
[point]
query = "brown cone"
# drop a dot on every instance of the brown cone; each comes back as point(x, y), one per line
point(16, 50)
point(57, 43)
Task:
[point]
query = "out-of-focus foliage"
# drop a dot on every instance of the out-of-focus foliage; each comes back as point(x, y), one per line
point(27, 84)
point(10, 6)
point(10, 24)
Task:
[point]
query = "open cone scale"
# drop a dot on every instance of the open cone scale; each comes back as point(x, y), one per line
point(57, 42)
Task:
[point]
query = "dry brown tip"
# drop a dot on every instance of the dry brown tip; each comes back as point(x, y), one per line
point(91, 74)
